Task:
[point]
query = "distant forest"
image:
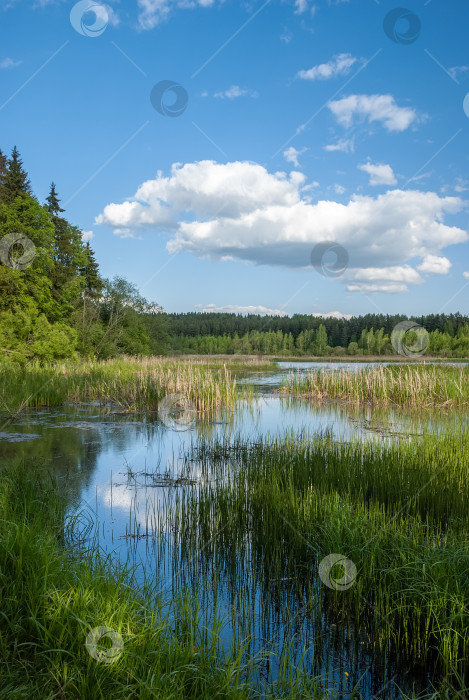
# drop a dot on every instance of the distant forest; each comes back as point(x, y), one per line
point(55, 305)
point(309, 335)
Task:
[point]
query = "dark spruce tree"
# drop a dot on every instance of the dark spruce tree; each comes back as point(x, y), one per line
point(90, 272)
point(69, 257)
point(3, 169)
point(15, 181)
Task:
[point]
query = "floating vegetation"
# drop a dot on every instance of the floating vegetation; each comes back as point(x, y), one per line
point(160, 479)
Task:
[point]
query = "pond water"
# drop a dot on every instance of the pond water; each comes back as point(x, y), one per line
point(107, 462)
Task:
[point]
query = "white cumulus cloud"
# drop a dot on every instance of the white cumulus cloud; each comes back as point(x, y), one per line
point(87, 236)
point(373, 108)
point(435, 265)
point(380, 174)
point(240, 211)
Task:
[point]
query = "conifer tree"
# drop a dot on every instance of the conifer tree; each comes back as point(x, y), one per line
point(3, 168)
point(94, 283)
point(53, 202)
point(15, 180)
point(69, 256)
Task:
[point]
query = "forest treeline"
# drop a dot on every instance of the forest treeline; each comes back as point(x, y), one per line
point(54, 303)
point(448, 335)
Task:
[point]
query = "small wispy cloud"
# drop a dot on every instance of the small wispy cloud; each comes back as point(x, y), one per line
point(343, 145)
point(380, 173)
point(291, 155)
point(9, 63)
point(153, 12)
point(338, 65)
point(461, 185)
point(457, 71)
point(234, 92)
point(302, 6)
point(332, 314)
point(87, 236)
point(373, 108)
point(234, 309)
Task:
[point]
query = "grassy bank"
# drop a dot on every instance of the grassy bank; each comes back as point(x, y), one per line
point(136, 384)
point(406, 385)
point(54, 594)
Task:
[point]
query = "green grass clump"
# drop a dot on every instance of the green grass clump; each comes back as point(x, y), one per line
point(53, 593)
point(404, 385)
point(51, 598)
point(398, 511)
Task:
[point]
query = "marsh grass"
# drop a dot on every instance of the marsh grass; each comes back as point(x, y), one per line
point(405, 385)
point(258, 522)
point(53, 594)
point(398, 511)
point(133, 384)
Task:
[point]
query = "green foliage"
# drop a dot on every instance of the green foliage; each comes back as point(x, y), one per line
point(210, 333)
point(90, 272)
point(70, 258)
point(25, 337)
point(57, 303)
point(14, 180)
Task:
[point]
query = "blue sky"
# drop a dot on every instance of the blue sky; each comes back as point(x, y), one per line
point(300, 122)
